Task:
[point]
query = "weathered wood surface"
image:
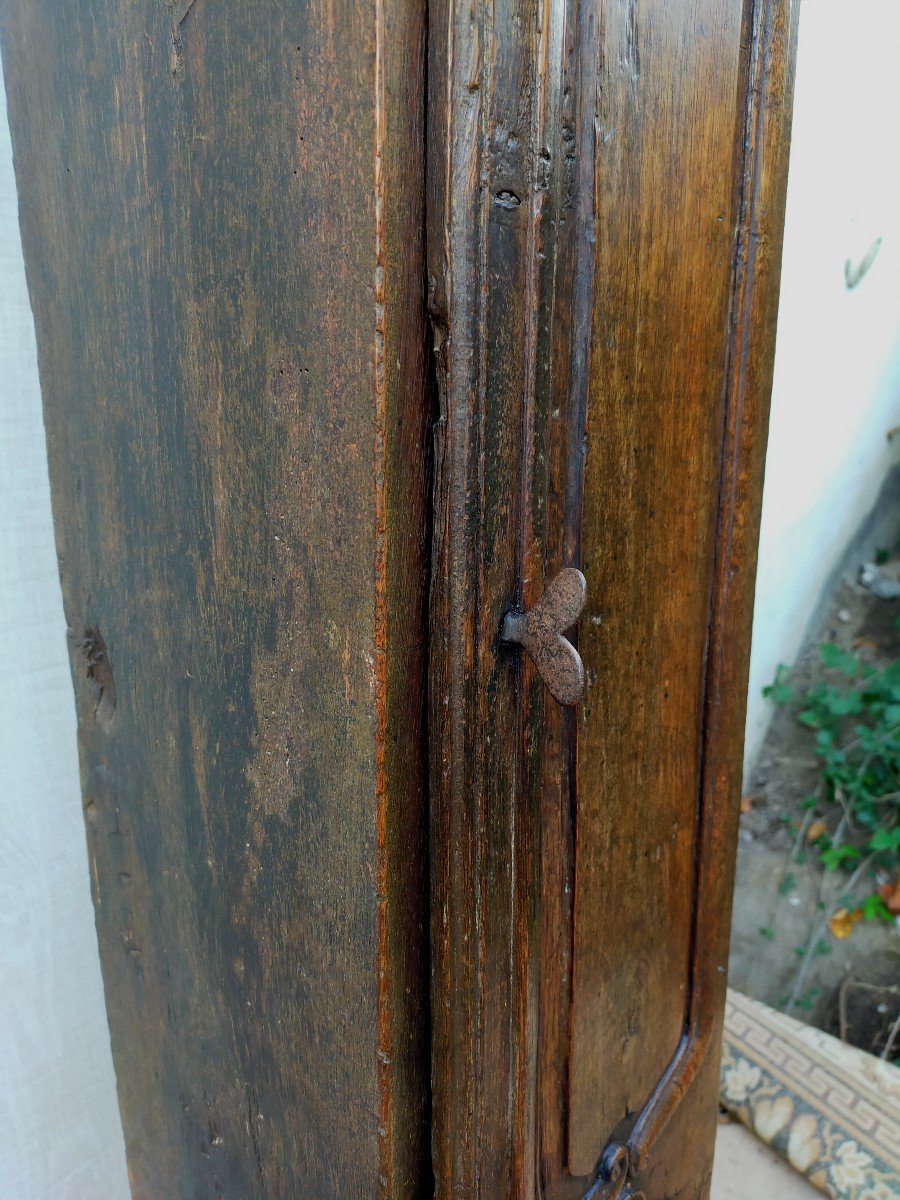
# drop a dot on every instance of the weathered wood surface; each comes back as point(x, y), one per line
point(483, 217)
point(604, 314)
point(222, 215)
point(669, 115)
point(688, 227)
point(222, 209)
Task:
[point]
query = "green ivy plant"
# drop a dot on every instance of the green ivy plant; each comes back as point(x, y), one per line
point(853, 717)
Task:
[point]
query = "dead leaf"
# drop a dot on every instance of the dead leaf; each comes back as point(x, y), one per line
point(841, 921)
point(815, 830)
point(746, 803)
point(864, 643)
point(890, 894)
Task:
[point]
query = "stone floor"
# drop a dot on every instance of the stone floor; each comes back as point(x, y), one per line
point(746, 1169)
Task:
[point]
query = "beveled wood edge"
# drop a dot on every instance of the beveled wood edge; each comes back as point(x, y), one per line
point(755, 289)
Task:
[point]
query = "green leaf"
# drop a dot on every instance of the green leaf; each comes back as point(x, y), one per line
point(779, 690)
point(842, 704)
point(767, 932)
point(836, 856)
point(837, 659)
point(807, 1000)
point(787, 884)
point(886, 839)
point(874, 909)
point(865, 814)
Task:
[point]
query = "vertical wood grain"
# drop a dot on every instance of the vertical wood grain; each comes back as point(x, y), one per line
point(669, 118)
point(222, 210)
point(680, 1112)
point(222, 215)
point(581, 862)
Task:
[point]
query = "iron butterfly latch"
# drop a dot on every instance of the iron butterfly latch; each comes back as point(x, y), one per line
point(539, 632)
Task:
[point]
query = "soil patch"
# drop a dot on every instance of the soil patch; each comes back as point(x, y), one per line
point(782, 951)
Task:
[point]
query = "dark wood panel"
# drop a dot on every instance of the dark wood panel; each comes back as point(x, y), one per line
point(669, 124)
point(633, 390)
point(679, 1115)
point(678, 365)
point(222, 214)
point(477, 229)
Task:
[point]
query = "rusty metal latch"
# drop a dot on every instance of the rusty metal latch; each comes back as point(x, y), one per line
point(539, 632)
point(611, 1179)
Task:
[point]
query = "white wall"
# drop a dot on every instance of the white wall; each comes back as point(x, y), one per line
point(837, 363)
point(60, 1134)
